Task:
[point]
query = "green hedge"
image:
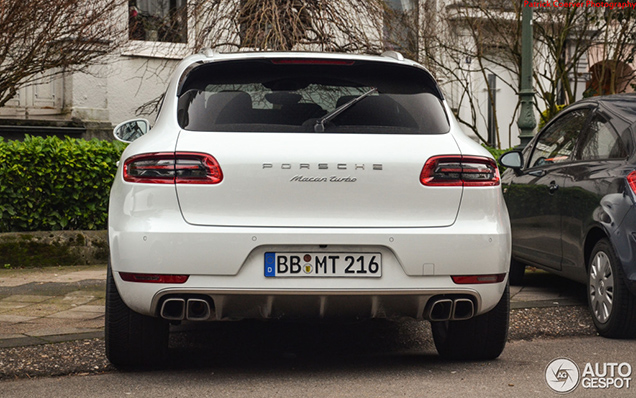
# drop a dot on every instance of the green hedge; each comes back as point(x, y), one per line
point(56, 184)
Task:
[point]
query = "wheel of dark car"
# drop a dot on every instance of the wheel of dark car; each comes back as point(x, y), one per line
point(612, 305)
point(132, 339)
point(517, 271)
point(480, 338)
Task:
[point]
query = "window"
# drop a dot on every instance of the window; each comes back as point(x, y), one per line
point(158, 20)
point(557, 141)
point(601, 142)
point(298, 95)
point(401, 26)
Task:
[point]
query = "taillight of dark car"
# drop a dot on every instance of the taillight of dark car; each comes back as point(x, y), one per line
point(457, 170)
point(631, 180)
point(173, 168)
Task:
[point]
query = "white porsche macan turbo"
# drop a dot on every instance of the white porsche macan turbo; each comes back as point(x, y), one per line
point(305, 186)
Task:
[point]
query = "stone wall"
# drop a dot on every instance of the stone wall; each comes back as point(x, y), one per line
point(39, 249)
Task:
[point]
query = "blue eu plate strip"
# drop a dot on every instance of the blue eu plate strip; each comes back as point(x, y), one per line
point(270, 264)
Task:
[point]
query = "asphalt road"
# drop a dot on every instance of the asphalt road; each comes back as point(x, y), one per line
point(378, 359)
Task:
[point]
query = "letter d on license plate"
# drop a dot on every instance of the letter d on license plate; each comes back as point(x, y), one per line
point(355, 265)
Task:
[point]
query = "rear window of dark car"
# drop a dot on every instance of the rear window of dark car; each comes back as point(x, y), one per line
point(293, 95)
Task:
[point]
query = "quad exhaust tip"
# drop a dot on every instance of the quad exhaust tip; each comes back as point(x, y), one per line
point(447, 309)
point(197, 310)
point(173, 309)
point(178, 309)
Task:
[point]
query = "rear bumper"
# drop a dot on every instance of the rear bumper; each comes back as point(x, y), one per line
point(414, 270)
point(226, 264)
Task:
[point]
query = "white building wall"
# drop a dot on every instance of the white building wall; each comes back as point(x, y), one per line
point(132, 81)
point(86, 95)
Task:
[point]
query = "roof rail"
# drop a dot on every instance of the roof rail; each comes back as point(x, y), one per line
point(394, 55)
point(208, 52)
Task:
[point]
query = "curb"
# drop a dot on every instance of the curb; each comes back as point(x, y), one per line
point(58, 338)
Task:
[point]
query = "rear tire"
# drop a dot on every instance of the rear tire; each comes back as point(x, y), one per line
point(612, 305)
point(517, 271)
point(480, 338)
point(132, 339)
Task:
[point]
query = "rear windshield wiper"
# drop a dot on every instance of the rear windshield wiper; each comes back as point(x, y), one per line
point(319, 127)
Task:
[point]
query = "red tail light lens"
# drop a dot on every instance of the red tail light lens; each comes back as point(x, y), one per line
point(153, 278)
point(631, 180)
point(173, 168)
point(468, 171)
point(478, 279)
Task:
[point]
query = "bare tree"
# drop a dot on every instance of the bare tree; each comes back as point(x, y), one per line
point(335, 25)
point(614, 53)
point(48, 37)
point(489, 33)
point(353, 26)
point(469, 41)
point(565, 37)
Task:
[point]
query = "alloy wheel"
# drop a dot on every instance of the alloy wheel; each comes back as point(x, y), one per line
point(601, 288)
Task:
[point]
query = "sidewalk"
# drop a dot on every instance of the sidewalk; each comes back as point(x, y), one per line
point(50, 305)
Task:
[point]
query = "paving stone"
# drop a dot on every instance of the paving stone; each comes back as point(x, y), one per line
point(11, 336)
point(39, 309)
point(78, 299)
point(90, 308)
point(51, 322)
point(15, 318)
point(8, 306)
point(26, 298)
point(70, 314)
point(53, 289)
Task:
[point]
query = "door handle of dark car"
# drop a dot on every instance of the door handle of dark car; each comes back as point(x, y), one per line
point(553, 187)
point(537, 173)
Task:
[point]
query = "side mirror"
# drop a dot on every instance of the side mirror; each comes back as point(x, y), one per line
point(131, 130)
point(512, 160)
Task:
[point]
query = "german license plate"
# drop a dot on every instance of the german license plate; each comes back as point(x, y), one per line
point(355, 265)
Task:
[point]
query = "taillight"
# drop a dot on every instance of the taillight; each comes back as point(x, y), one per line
point(173, 168)
point(468, 171)
point(153, 278)
point(631, 180)
point(478, 279)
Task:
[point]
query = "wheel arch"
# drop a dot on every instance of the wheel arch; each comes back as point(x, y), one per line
point(593, 236)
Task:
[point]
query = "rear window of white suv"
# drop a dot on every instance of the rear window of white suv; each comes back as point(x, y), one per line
point(306, 95)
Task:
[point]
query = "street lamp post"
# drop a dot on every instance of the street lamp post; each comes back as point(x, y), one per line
point(526, 121)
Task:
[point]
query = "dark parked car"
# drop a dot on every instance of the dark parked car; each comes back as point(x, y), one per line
point(571, 198)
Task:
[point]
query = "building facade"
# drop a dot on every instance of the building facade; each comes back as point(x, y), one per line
point(482, 90)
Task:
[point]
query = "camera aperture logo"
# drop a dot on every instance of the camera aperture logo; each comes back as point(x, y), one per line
point(563, 375)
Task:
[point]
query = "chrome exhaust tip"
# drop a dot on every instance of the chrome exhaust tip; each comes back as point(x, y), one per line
point(173, 309)
point(463, 309)
point(197, 310)
point(440, 310)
